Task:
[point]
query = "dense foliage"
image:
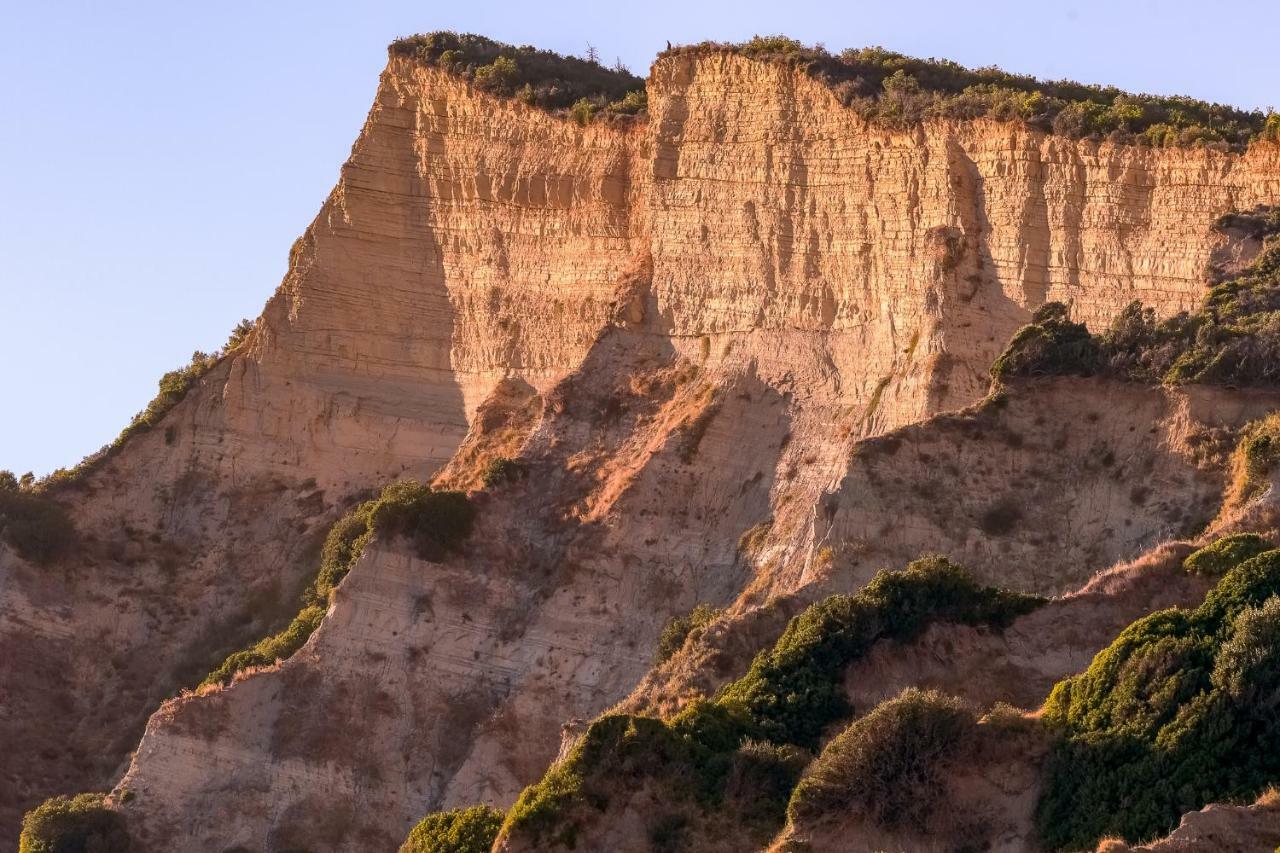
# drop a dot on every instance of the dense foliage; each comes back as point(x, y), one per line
point(793, 691)
point(32, 523)
point(679, 628)
point(1178, 712)
point(435, 522)
point(886, 86)
point(886, 766)
point(761, 726)
point(501, 470)
point(470, 830)
point(1234, 339)
point(1214, 560)
point(80, 824)
point(581, 88)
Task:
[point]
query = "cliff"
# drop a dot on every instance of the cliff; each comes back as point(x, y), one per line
point(699, 322)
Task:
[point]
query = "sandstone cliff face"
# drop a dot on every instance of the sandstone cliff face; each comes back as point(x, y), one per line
point(709, 310)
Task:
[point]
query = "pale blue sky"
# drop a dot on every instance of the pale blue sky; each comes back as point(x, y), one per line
point(157, 159)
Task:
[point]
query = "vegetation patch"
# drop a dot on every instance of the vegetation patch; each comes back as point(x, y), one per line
point(1233, 339)
point(469, 830)
point(79, 824)
point(581, 89)
point(680, 628)
point(886, 768)
point(884, 86)
point(435, 522)
point(1230, 551)
point(32, 523)
point(1178, 712)
point(174, 386)
point(760, 727)
point(501, 470)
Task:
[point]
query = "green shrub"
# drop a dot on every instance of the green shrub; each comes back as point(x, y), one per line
point(1234, 339)
point(793, 691)
point(742, 753)
point(1050, 345)
point(1176, 713)
point(559, 84)
point(33, 524)
point(1256, 455)
point(1215, 559)
point(501, 470)
point(80, 824)
point(435, 522)
point(886, 766)
point(678, 629)
point(239, 334)
point(470, 830)
point(884, 86)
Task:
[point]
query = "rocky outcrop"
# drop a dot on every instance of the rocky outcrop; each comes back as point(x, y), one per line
point(709, 310)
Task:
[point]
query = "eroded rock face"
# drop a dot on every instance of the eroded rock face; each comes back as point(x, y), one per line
point(713, 306)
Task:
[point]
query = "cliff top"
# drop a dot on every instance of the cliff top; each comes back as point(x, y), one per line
point(581, 88)
point(883, 85)
point(878, 84)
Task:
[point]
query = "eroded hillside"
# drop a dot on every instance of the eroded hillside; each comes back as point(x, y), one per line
point(734, 351)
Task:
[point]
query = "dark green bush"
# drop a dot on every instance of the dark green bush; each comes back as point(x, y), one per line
point(501, 470)
point(540, 78)
point(1226, 553)
point(743, 751)
point(886, 766)
point(793, 691)
point(470, 830)
point(678, 629)
point(1050, 345)
point(1234, 339)
point(1178, 712)
point(436, 523)
point(80, 824)
point(31, 523)
point(885, 86)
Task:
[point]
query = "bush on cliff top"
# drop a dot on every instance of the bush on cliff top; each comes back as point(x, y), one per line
point(1234, 339)
point(1178, 712)
point(31, 523)
point(885, 86)
point(791, 694)
point(80, 824)
point(540, 78)
point(435, 522)
point(470, 830)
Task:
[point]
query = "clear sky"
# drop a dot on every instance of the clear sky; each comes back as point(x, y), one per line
point(157, 159)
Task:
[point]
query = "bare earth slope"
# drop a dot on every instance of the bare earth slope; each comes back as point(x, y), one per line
point(707, 311)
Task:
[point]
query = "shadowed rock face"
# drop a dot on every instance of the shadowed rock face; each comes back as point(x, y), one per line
point(713, 308)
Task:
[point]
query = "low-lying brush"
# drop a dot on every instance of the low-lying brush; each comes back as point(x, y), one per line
point(679, 628)
point(32, 523)
point(79, 824)
point(886, 767)
point(582, 89)
point(469, 830)
point(435, 522)
point(1228, 552)
point(1178, 712)
point(1234, 339)
point(174, 386)
point(760, 726)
